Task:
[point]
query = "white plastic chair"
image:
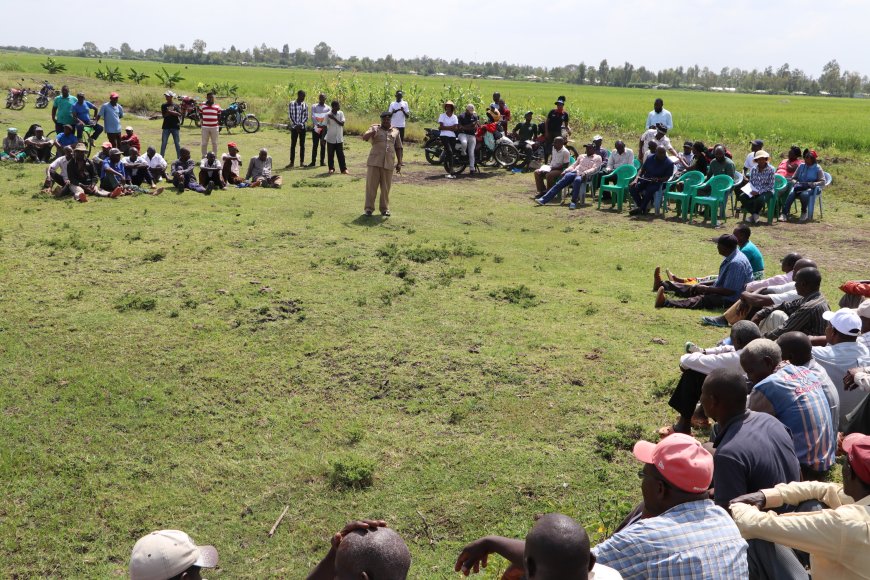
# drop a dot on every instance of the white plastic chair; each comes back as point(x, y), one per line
point(817, 194)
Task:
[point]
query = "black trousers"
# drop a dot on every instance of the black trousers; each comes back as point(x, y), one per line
point(336, 149)
point(401, 133)
point(318, 138)
point(686, 395)
point(708, 301)
point(449, 144)
point(142, 176)
point(297, 135)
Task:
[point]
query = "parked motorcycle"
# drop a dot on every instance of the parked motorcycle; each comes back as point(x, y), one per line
point(234, 115)
point(432, 146)
point(494, 148)
point(45, 95)
point(531, 152)
point(190, 110)
point(16, 98)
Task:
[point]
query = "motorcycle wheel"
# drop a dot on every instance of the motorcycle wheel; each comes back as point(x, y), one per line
point(506, 155)
point(484, 157)
point(433, 151)
point(231, 121)
point(573, 151)
point(455, 165)
point(251, 124)
point(17, 104)
point(41, 103)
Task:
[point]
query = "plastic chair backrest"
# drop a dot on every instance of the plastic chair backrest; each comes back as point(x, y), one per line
point(692, 178)
point(624, 174)
point(636, 163)
point(828, 179)
point(779, 182)
point(720, 187)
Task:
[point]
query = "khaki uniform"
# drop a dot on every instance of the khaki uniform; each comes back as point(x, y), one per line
point(380, 165)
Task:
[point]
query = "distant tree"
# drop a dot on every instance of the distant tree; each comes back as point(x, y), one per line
point(851, 83)
point(323, 54)
point(830, 80)
point(52, 67)
point(126, 51)
point(389, 63)
point(90, 49)
point(603, 72)
point(581, 73)
point(285, 54)
point(198, 46)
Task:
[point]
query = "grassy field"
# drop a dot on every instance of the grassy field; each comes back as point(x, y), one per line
point(200, 362)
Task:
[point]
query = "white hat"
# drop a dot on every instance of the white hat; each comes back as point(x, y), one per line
point(864, 308)
point(129, 128)
point(165, 554)
point(598, 138)
point(844, 320)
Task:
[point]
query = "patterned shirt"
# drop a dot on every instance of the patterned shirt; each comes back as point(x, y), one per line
point(796, 397)
point(298, 113)
point(734, 273)
point(762, 180)
point(210, 115)
point(693, 541)
point(804, 315)
point(585, 165)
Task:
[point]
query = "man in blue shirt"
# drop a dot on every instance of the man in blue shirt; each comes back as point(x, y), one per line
point(750, 250)
point(734, 273)
point(81, 117)
point(656, 170)
point(111, 113)
point(66, 138)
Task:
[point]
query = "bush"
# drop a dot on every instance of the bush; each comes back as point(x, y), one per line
point(352, 472)
point(10, 66)
point(135, 302)
point(516, 295)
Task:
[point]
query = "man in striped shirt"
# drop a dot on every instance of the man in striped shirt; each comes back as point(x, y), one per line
point(795, 395)
point(210, 113)
point(298, 113)
point(801, 315)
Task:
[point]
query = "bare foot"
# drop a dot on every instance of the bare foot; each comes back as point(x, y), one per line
point(116, 192)
point(670, 276)
point(157, 191)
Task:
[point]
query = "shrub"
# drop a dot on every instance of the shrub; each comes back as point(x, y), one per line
point(135, 302)
point(421, 255)
point(352, 472)
point(516, 295)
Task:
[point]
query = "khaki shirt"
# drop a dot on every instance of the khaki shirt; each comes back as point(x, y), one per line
point(837, 539)
point(384, 146)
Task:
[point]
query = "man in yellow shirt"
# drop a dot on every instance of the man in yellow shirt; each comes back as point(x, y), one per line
point(838, 538)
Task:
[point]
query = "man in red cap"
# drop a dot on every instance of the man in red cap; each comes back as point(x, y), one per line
point(836, 538)
point(231, 164)
point(682, 533)
point(111, 114)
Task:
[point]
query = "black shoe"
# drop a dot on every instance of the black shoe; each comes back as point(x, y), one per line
point(635, 211)
point(385, 213)
point(311, 164)
point(368, 212)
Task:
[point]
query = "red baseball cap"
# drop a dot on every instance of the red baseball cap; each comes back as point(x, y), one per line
point(113, 96)
point(681, 460)
point(232, 144)
point(857, 449)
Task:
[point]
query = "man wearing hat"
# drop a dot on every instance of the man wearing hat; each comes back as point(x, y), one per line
point(682, 533)
point(171, 113)
point(81, 112)
point(836, 538)
point(170, 554)
point(129, 140)
point(83, 175)
point(658, 135)
point(111, 112)
point(400, 113)
point(578, 175)
point(734, 273)
point(556, 118)
point(843, 352)
point(385, 155)
point(761, 182)
point(102, 154)
point(38, 147)
point(13, 147)
point(231, 165)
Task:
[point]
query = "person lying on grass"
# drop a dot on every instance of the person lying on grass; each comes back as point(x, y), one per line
point(364, 550)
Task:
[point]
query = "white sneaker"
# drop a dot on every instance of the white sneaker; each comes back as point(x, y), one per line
point(755, 218)
point(783, 217)
point(804, 217)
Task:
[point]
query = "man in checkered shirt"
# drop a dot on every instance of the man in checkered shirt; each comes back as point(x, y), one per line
point(682, 535)
point(298, 112)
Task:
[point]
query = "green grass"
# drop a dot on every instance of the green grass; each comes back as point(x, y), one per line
point(200, 362)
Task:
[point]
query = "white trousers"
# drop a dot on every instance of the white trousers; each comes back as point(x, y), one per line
point(209, 134)
point(468, 143)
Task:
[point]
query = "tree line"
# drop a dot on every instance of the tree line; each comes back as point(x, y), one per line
point(832, 80)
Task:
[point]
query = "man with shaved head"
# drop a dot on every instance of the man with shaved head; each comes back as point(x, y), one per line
point(556, 548)
point(802, 315)
point(794, 395)
point(365, 550)
point(797, 349)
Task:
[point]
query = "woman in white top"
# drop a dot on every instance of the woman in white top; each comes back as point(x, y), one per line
point(448, 123)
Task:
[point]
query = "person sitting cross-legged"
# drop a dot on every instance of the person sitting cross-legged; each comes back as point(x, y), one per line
point(696, 366)
point(182, 174)
point(138, 172)
point(260, 171)
point(364, 550)
point(38, 148)
point(682, 533)
point(210, 172)
point(13, 147)
point(577, 175)
point(656, 170)
point(734, 272)
point(156, 165)
point(113, 174)
point(803, 314)
point(836, 538)
point(794, 395)
point(231, 163)
point(56, 172)
point(556, 548)
point(84, 177)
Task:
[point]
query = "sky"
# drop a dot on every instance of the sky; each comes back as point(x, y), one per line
point(741, 33)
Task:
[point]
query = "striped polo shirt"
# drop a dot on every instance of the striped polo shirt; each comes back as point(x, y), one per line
point(799, 402)
point(210, 115)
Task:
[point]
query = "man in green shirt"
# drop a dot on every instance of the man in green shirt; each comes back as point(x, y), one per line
point(750, 250)
point(721, 165)
point(61, 111)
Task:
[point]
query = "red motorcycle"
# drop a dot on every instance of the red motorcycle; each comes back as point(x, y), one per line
point(16, 98)
point(190, 110)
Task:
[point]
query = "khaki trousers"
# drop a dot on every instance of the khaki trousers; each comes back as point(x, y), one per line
point(378, 177)
point(209, 134)
point(776, 319)
point(551, 177)
point(738, 311)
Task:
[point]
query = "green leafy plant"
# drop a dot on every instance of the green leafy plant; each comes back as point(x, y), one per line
point(352, 472)
point(168, 79)
point(137, 77)
point(111, 75)
point(53, 67)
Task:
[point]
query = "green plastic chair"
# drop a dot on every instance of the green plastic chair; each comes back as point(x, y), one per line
point(690, 180)
point(781, 188)
point(624, 174)
point(720, 187)
point(637, 163)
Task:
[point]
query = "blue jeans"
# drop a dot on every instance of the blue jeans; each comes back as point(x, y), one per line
point(803, 195)
point(176, 136)
point(567, 178)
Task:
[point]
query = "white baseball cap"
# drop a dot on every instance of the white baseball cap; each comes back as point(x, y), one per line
point(864, 308)
point(844, 320)
point(165, 554)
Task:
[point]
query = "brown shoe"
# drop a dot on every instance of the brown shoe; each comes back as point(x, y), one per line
point(670, 276)
point(657, 278)
point(660, 297)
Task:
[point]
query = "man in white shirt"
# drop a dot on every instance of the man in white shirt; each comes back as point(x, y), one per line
point(400, 113)
point(754, 147)
point(335, 137)
point(56, 171)
point(448, 124)
point(318, 120)
point(621, 155)
point(695, 367)
point(842, 353)
point(658, 135)
point(156, 164)
point(231, 165)
point(659, 115)
point(559, 161)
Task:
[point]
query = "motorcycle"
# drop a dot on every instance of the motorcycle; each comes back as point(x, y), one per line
point(45, 95)
point(531, 152)
point(234, 115)
point(432, 146)
point(491, 149)
point(16, 98)
point(190, 110)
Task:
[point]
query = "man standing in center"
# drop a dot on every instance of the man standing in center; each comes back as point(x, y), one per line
point(318, 135)
point(385, 155)
point(400, 113)
point(210, 114)
point(298, 112)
